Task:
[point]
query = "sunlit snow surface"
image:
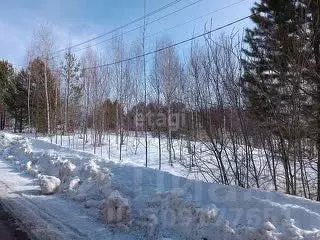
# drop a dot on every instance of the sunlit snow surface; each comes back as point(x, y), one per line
point(162, 206)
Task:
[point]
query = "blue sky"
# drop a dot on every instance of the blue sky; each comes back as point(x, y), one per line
point(73, 21)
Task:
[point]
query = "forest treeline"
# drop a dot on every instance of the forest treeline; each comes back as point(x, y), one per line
point(247, 108)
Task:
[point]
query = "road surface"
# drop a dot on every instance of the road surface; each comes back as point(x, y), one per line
point(50, 216)
point(8, 228)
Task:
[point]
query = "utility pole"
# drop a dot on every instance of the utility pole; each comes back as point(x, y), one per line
point(145, 84)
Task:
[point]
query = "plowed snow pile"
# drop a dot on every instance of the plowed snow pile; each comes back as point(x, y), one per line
point(160, 205)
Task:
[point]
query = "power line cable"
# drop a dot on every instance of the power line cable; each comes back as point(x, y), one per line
point(122, 26)
point(170, 46)
point(136, 28)
point(167, 29)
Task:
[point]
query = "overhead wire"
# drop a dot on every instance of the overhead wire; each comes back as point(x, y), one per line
point(134, 29)
point(171, 45)
point(156, 20)
point(122, 26)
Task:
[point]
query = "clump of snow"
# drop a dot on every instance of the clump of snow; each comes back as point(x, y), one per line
point(28, 166)
point(66, 170)
point(11, 158)
point(34, 173)
point(291, 231)
point(90, 170)
point(30, 169)
point(268, 226)
point(170, 213)
point(49, 184)
point(74, 184)
point(116, 210)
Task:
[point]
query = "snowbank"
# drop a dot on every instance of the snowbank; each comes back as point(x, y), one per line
point(160, 205)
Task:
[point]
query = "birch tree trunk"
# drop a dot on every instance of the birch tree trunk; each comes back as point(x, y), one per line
point(47, 94)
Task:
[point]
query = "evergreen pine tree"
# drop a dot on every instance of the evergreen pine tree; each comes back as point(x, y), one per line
point(15, 99)
point(6, 74)
point(315, 13)
point(311, 10)
point(266, 68)
point(270, 83)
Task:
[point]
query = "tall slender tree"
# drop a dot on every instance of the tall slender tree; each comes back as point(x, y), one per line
point(270, 84)
point(73, 87)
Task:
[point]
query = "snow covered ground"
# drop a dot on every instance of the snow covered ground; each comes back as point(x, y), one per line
point(206, 166)
point(133, 151)
point(101, 199)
